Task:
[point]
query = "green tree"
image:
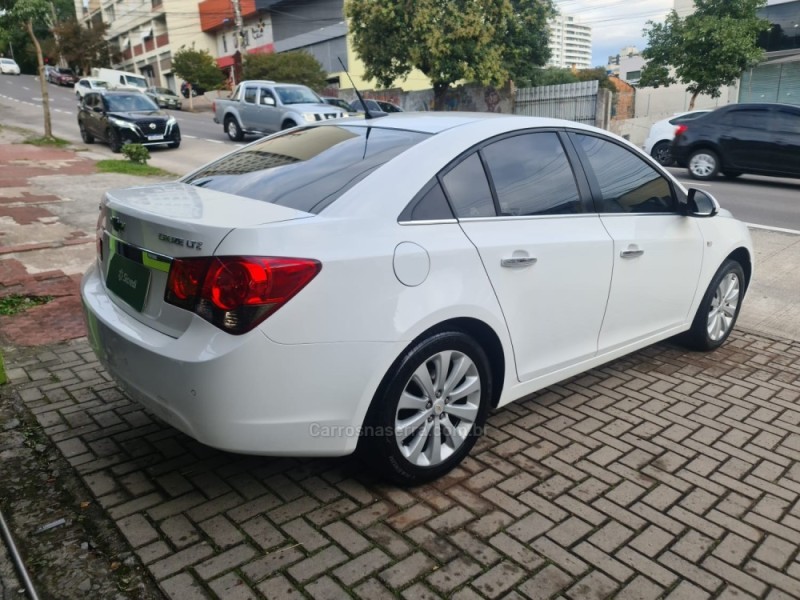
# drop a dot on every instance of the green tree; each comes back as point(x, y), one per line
point(488, 41)
point(81, 47)
point(197, 67)
point(706, 49)
point(29, 14)
point(288, 67)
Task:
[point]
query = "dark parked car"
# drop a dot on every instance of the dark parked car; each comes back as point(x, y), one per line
point(120, 118)
point(164, 97)
point(762, 139)
point(375, 106)
point(62, 76)
point(196, 90)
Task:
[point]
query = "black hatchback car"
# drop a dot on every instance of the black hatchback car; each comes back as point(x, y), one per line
point(762, 139)
point(120, 118)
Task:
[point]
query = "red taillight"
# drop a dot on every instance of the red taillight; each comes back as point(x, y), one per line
point(680, 129)
point(236, 293)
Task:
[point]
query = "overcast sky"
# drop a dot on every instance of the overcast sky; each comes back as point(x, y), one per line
point(618, 23)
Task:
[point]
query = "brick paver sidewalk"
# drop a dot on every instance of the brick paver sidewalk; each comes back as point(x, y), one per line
point(666, 473)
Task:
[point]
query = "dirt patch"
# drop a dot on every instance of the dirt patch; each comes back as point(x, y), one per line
point(69, 546)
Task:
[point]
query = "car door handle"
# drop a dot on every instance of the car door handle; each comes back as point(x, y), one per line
point(631, 253)
point(517, 262)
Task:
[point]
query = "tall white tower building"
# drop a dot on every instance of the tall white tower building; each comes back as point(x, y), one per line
point(570, 43)
point(684, 7)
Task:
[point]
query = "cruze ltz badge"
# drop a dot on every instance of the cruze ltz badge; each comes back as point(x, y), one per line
point(194, 244)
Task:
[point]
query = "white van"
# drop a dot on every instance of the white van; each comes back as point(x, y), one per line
point(121, 80)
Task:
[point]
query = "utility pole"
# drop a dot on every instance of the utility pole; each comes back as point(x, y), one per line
point(240, 41)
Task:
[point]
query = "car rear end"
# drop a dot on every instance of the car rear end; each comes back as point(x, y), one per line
point(688, 134)
point(198, 301)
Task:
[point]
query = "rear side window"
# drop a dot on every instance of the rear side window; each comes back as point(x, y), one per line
point(532, 175)
point(468, 189)
point(748, 118)
point(250, 95)
point(305, 169)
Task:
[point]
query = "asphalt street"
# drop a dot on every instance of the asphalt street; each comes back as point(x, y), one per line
point(762, 201)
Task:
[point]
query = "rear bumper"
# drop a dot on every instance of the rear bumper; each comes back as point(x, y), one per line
point(244, 393)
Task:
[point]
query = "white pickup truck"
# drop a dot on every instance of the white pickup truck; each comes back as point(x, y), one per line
point(264, 107)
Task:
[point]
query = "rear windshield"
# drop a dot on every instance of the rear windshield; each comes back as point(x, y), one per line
point(305, 169)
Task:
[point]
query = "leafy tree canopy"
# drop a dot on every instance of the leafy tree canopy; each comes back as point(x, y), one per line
point(488, 41)
point(705, 50)
point(80, 47)
point(28, 14)
point(197, 67)
point(287, 67)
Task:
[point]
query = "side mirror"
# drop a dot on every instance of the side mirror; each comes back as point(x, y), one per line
point(268, 100)
point(97, 109)
point(701, 204)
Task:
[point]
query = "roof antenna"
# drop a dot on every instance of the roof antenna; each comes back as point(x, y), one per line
point(367, 114)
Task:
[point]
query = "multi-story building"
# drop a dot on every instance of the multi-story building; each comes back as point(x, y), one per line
point(777, 78)
point(147, 33)
point(570, 43)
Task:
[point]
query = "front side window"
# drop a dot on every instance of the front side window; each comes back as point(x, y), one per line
point(468, 189)
point(532, 176)
point(786, 121)
point(627, 184)
point(306, 168)
point(297, 94)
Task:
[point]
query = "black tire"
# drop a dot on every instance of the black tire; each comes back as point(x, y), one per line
point(378, 444)
point(698, 337)
point(703, 164)
point(175, 143)
point(661, 153)
point(114, 140)
point(732, 174)
point(87, 137)
point(233, 129)
point(288, 124)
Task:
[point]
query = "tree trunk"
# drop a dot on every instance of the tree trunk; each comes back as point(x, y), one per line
point(691, 102)
point(439, 95)
point(48, 130)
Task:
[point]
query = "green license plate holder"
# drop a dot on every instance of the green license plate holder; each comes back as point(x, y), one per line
point(129, 280)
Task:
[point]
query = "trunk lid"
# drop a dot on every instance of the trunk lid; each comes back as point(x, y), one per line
point(144, 228)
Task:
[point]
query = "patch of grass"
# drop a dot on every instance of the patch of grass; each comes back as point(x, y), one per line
point(127, 167)
point(47, 141)
point(16, 303)
point(3, 376)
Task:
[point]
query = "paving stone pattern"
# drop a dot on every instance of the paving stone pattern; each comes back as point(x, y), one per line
point(664, 474)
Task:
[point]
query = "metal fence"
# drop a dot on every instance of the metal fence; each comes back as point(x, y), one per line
point(571, 101)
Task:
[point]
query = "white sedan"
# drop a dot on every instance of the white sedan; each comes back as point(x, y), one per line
point(8, 66)
point(88, 84)
point(386, 283)
point(662, 133)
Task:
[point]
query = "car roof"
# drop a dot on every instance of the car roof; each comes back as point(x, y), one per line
point(436, 122)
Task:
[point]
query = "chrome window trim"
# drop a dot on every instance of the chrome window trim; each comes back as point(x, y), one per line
point(430, 222)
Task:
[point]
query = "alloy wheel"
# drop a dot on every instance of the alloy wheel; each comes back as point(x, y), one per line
point(702, 165)
point(723, 307)
point(437, 408)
